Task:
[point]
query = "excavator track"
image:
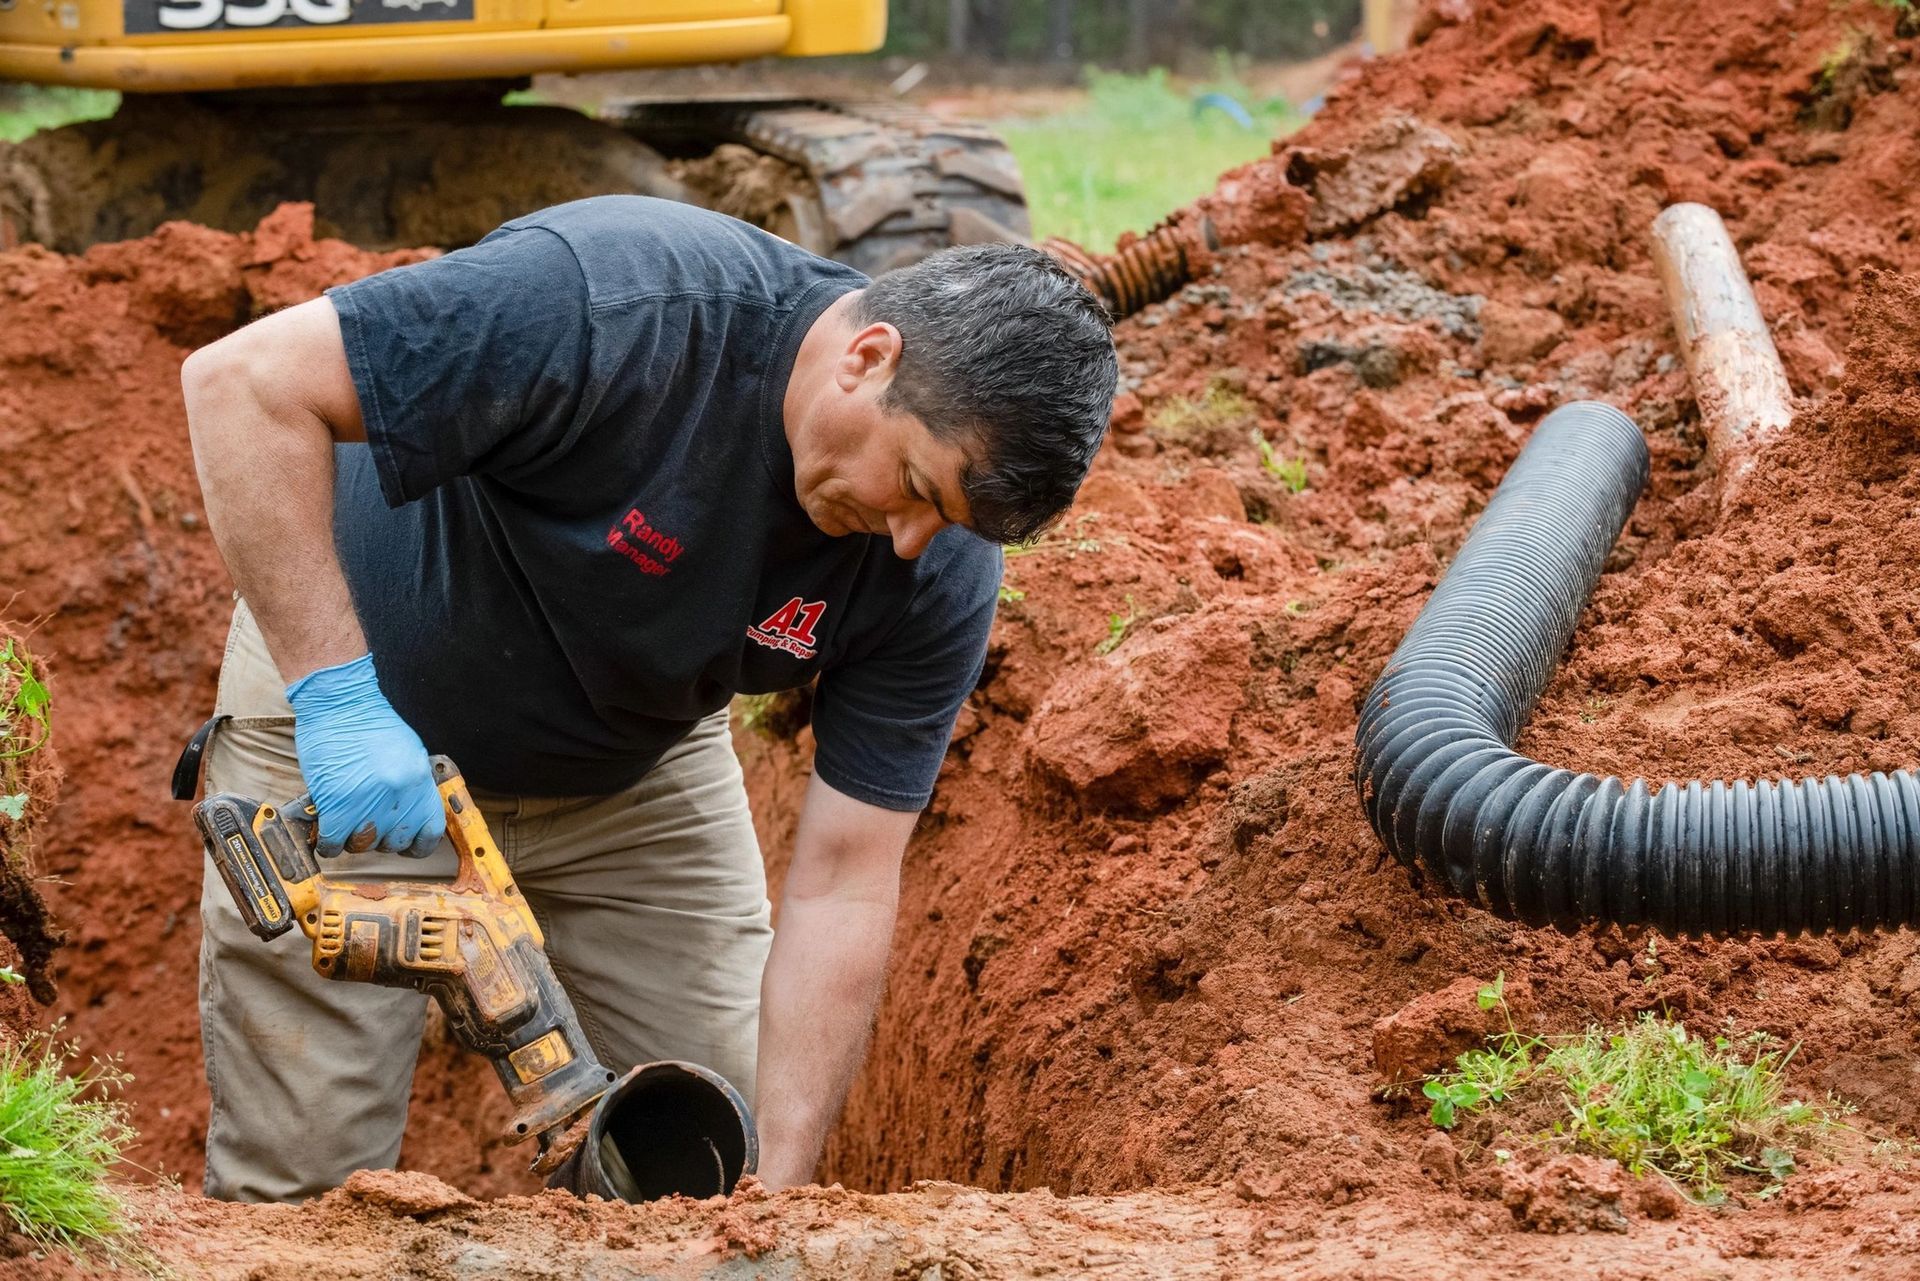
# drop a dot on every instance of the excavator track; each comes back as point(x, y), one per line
point(874, 184)
point(879, 184)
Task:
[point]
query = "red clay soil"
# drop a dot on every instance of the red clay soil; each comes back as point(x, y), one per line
point(1146, 933)
point(1575, 1214)
point(1159, 931)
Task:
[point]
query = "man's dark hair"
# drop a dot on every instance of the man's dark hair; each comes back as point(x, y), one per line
point(1008, 356)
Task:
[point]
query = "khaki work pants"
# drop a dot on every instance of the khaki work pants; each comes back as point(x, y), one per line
point(653, 901)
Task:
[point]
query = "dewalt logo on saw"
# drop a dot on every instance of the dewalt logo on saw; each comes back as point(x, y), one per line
point(263, 898)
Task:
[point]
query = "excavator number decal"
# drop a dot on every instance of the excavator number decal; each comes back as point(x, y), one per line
point(158, 17)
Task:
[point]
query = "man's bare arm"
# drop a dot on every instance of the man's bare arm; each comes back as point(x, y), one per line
point(825, 974)
point(264, 407)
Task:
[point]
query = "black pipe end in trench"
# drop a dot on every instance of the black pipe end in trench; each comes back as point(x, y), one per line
point(665, 1129)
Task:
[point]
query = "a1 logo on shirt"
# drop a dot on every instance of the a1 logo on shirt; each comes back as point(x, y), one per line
point(790, 628)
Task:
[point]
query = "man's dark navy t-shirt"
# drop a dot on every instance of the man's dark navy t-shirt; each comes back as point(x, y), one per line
point(573, 532)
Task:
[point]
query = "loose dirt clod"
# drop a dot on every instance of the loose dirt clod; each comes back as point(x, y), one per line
point(1567, 1194)
point(404, 1192)
point(1427, 1034)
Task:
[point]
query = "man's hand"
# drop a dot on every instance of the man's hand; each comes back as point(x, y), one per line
point(825, 973)
point(368, 772)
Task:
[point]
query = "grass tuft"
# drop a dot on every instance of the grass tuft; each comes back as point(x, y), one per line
point(1652, 1096)
point(1218, 408)
point(59, 1135)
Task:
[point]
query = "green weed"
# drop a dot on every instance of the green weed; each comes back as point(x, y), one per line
point(1011, 595)
point(27, 109)
point(1835, 60)
point(1652, 1096)
point(1117, 626)
point(1291, 472)
point(59, 1135)
point(1185, 417)
point(753, 711)
point(1485, 1076)
point(1136, 152)
point(780, 714)
point(751, 707)
point(23, 715)
point(24, 724)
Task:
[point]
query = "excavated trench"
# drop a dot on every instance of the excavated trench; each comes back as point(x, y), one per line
point(1146, 931)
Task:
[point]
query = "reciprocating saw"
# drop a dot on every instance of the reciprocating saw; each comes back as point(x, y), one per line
point(473, 944)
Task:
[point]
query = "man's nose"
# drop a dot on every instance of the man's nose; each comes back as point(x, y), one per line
point(912, 531)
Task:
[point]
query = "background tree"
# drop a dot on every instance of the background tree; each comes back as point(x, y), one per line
point(1129, 33)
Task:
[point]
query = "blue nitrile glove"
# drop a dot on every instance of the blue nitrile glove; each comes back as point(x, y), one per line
point(365, 767)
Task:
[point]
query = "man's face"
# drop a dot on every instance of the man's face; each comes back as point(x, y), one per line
point(861, 469)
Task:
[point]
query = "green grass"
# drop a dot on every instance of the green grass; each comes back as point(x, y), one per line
point(59, 1135)
point(26, 109)
point(1651, 1095)
point(1133, 155)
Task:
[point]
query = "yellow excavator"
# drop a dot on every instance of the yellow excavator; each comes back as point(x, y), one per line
point(389, 116)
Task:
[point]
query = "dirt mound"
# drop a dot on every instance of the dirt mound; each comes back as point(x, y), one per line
point(1123, 983)
point(1146, 934)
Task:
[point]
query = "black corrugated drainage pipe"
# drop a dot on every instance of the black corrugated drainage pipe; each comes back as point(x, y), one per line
point(1549, 846)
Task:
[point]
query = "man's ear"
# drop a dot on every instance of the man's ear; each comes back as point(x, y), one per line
point(873, 352)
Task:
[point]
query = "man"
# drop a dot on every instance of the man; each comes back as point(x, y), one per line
point(545, 505)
